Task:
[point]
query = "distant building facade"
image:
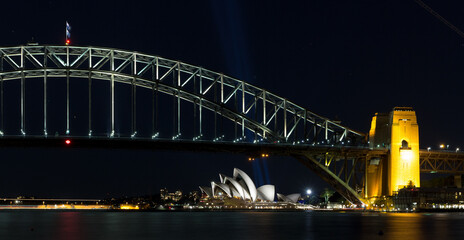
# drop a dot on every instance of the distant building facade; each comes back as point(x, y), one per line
point(165, 195)
point(410, 199)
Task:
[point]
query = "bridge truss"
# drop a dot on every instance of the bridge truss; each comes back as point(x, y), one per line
point(343, 168)
point(441, 162)
point(254, 112)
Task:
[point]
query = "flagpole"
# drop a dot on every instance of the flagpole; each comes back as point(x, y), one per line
point(68, 34)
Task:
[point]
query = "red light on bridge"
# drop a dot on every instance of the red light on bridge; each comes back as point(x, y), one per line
point(68, 41)
point(68, 142)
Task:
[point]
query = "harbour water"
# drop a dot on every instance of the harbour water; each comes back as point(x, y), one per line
point(50, 225)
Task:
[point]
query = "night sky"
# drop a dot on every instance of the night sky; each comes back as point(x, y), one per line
point(345, 60)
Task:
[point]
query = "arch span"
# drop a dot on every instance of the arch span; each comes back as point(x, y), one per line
point(254, 112)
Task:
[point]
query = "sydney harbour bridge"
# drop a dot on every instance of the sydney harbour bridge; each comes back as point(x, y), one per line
point(73, 96)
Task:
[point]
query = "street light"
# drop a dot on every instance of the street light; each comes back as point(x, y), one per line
point(308, 192)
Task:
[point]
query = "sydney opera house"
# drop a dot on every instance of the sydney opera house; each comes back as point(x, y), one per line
point(241, 190)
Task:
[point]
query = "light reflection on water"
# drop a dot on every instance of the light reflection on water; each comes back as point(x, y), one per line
point(228, 225)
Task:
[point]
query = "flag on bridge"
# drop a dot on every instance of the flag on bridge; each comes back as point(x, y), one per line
point(68, 33)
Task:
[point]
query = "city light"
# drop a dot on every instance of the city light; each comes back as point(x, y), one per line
point(68, 142)
point(308, 192)
point(442, 146)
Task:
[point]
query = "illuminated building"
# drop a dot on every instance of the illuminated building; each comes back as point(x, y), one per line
point(163, 192)
point(241, 187)
point(194, 195)
point(289, 198)
point(397, 131)
point(411, 199)
point(168, 196)
point(129, 207)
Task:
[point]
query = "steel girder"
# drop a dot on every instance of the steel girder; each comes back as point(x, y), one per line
point(343, 169)
point(441, 162)
point(271, 118)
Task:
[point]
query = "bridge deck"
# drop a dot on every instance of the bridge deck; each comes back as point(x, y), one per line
point(183, 145)
point(430, 161)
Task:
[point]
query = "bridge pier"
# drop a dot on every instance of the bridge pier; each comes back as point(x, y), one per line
point(397, 131)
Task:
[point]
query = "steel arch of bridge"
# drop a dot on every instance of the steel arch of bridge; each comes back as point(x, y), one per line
point(274, 121)
point(268, 116)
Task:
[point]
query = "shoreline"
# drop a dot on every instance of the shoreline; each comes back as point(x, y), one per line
point(228, 210)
